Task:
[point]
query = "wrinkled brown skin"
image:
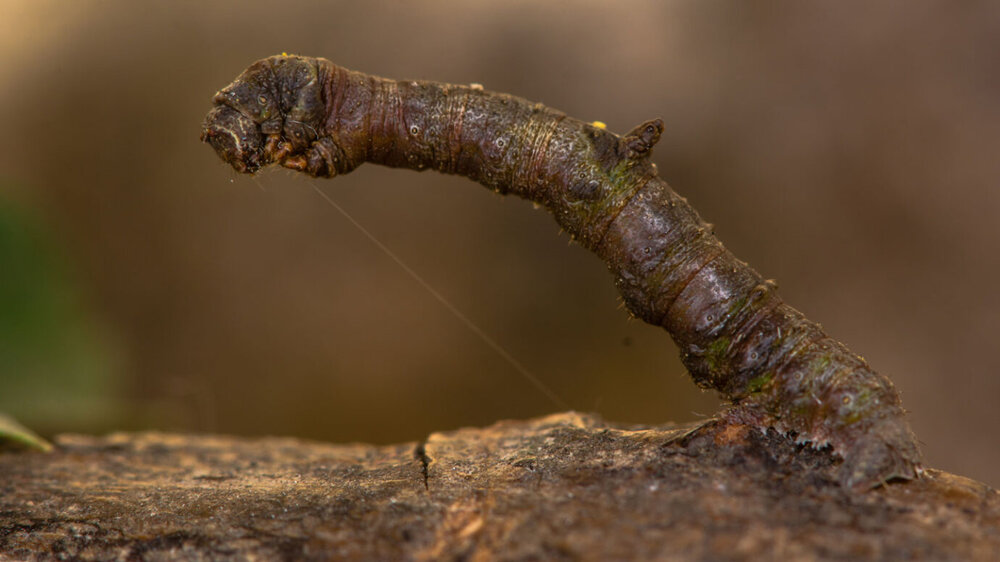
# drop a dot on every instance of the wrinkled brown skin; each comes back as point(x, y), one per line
point(735, 334)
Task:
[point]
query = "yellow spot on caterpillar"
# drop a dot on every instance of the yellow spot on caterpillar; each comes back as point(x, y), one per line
point(600, 124)
point(284, 54)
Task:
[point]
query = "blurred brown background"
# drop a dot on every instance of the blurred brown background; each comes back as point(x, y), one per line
point(849, 151)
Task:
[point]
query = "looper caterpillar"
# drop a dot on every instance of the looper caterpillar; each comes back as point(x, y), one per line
point(735, 333)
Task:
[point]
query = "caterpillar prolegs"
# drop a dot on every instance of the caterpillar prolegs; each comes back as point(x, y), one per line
point(735, 334)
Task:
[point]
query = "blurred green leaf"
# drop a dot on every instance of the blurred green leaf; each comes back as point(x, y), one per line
point(56, 368)
point(15, 434)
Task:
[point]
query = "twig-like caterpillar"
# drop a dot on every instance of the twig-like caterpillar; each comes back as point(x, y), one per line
point(736, 335)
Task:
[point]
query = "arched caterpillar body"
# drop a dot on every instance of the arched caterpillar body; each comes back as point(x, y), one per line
point(735, 334)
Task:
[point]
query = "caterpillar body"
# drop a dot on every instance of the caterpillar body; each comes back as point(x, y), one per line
point(735, 333)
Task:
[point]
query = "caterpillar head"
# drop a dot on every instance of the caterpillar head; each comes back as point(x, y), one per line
point(235, 138)
point(273, 109)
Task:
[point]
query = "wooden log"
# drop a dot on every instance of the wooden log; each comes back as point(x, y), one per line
point(564, 487)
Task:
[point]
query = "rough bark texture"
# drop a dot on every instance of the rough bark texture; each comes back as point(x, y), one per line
point(567, 486)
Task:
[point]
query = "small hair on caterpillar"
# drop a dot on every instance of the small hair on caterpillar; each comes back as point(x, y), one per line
point(736, 335)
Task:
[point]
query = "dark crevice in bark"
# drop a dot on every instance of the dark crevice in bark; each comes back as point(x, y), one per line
point(420, 453)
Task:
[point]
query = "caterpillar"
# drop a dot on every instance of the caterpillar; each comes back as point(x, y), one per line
point(736, 335)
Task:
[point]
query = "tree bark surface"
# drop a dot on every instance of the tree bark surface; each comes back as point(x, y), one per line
point(564, 487)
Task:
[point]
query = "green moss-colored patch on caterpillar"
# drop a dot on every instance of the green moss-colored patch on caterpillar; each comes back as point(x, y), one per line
point(758, 383)
point(735, 333)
